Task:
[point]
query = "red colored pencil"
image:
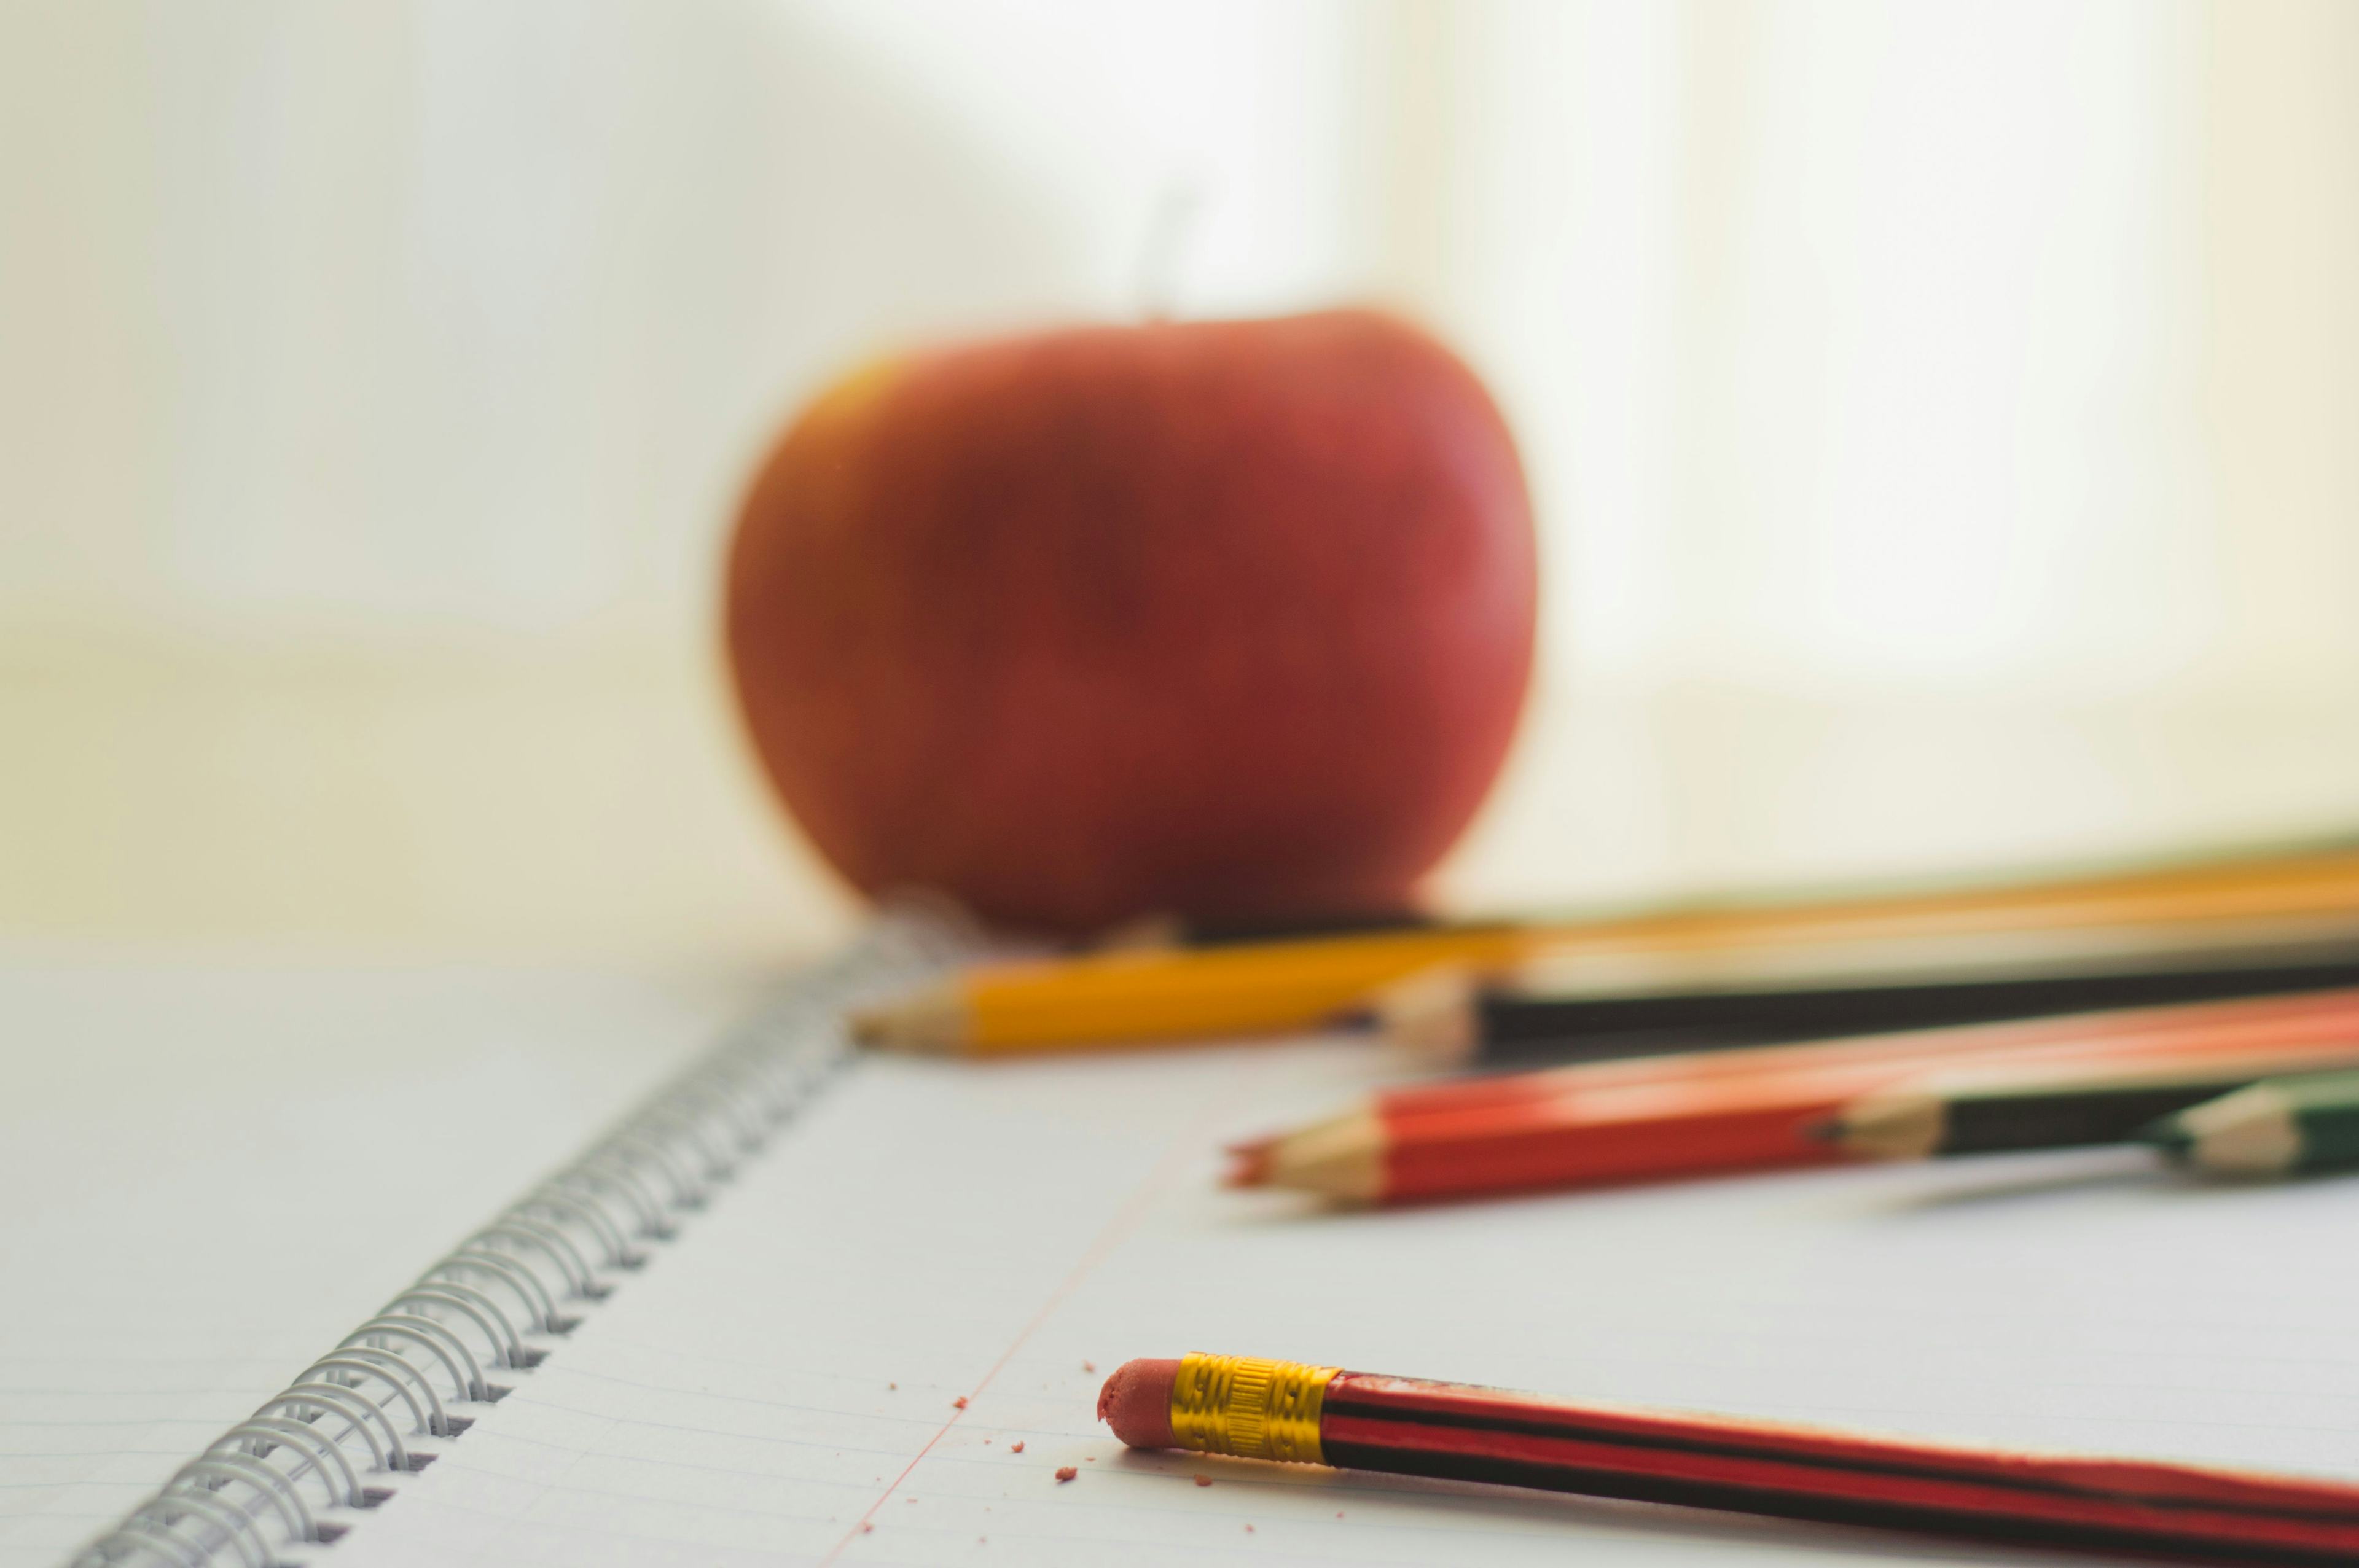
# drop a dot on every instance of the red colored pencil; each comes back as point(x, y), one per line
point(1286, 1411)
point(1718, 1111)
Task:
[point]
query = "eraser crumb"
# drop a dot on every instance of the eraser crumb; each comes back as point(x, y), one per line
point(1015, 1448)
point(868, 1527)
point(1089, 1366)
point(892, 1385)
point(1204, 1480)
point(1067, 1472)
point(959, 1403)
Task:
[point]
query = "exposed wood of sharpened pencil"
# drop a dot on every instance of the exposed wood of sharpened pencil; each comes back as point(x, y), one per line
point(932, 1022)
point(2251, 1132)
point(1343, 1160)
point(2276, 1128)
point(2003, 1111)
point(1101, 999)
point(1433, 1017)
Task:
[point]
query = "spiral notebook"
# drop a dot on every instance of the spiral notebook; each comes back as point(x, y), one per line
point(802, 1307)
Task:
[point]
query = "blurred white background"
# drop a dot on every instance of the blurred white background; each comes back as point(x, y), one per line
point(1941, 416)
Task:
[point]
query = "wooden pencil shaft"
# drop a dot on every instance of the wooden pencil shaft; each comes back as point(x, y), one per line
point(1806, 961)
point(2252, 1023)
point(1516, 1029)
point(1991, 1124)
point(2294, 862)
point(1242, 932)
point(1184, 993)
point(2324, 1108)
point(1770, 944)
point(1766, 1488)
point(2329, 1138)
point(1411, 1426)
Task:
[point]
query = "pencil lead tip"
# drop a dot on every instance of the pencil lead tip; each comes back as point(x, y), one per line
point(1826, 1130)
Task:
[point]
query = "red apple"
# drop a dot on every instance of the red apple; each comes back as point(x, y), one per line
point(1230, 619)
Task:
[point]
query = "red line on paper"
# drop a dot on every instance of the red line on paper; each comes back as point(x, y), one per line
point(1116, 1231)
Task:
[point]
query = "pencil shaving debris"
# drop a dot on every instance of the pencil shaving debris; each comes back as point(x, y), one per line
point(959, 1403)
point(1067, 1472)
point(1089, 1366)
point(1016, 1448)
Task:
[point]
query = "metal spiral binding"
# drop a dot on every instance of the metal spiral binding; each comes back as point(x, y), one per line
point(291, 1475)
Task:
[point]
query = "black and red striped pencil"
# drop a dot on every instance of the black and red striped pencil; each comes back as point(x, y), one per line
point(1322, 1415)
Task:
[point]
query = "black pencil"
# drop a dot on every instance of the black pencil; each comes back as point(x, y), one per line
point(2055, 1108)
point(1548, 1013)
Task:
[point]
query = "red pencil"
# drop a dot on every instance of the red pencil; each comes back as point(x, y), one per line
point(1717, 1111)
point(1286, 1411)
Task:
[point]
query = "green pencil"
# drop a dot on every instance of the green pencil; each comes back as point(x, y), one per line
point(2279, 1126)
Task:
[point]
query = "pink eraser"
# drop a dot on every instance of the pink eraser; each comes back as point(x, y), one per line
point(1136, 1402)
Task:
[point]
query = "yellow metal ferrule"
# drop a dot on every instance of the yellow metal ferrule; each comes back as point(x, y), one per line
point(1249, 1407)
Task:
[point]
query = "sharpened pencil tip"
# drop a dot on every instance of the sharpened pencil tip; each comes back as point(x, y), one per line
point(932, 1021)
point(1826, 1130)
point(1250, 1167)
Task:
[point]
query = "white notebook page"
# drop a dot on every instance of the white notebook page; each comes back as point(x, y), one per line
point(211, 1173)
point(780, 1385)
